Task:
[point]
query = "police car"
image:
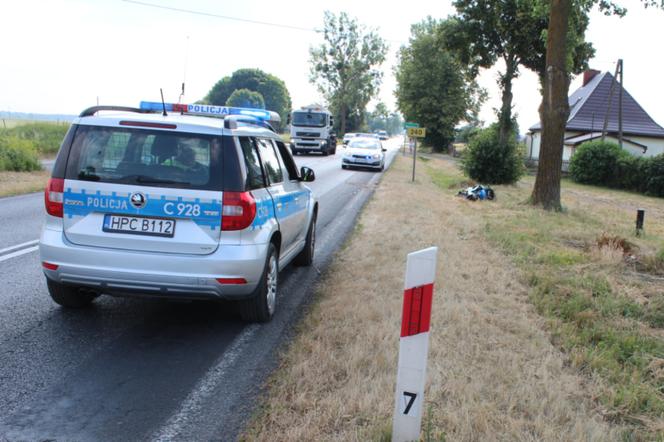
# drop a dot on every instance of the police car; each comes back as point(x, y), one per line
point(163, 200)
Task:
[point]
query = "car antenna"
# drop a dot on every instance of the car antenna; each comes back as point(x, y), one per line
point(161, 91)
point(180, 99)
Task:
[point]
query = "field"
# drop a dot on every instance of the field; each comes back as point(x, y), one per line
point(546, 326)
point(17, 183)
point(22, 144)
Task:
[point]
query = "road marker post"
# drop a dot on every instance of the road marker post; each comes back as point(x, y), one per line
point(414, 344)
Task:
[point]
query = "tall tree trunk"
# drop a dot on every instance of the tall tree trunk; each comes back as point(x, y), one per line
point(505, 117)
point(554, 109)
point(342, 122)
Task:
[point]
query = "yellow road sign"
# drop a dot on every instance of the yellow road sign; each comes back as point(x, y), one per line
point(417, 132)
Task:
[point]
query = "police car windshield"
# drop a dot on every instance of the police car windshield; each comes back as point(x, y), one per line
point(364, 144)
point(308, 119)
point(145, 157)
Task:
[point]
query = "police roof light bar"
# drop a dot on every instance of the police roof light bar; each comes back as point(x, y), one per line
point(206, 109)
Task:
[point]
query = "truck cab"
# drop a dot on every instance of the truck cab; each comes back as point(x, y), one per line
point(311, 130)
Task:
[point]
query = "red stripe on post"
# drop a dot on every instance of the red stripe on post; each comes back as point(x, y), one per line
point(416, 315)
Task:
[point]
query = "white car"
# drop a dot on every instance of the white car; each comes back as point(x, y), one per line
point(349, 136)
point(364, 152)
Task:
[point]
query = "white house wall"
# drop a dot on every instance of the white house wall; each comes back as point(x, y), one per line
point(655, 145)
point(537, 141)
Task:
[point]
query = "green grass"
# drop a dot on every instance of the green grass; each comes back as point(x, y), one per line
point(445, 180)
point(586, 300)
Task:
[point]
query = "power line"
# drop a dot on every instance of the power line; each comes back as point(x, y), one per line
point(225, 17)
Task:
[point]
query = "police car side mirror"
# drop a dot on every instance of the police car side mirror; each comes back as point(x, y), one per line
point(384, 150)
point(307, 175)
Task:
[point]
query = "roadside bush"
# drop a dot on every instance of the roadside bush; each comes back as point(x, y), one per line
point(596, 162)
point(46, 137)
point(655, 176)
point(630, 173)
point(487, 161)
point(18, 155)
point(606, 164)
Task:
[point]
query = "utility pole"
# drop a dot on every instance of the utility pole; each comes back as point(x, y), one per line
point(620, 95)
point(608, 108)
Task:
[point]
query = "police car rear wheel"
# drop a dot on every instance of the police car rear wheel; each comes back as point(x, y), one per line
point(69, 296)
point(261, 306)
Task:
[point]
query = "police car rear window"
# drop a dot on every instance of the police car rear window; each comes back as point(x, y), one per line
point(146, 157)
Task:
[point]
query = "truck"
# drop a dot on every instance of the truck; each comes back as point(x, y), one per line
point(311, 130)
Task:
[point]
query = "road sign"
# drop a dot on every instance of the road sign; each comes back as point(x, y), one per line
point(414, 344)
point(417, 132)
point(407, 125)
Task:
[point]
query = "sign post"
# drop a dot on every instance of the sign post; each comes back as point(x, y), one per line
point(407, 125)
point(414, 344)
point(416, 132)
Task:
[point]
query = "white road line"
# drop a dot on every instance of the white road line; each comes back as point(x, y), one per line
point(18, 253)
point(191, 406)
point(18, 246)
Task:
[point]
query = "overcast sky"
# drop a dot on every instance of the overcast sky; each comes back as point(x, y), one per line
point(60, 56)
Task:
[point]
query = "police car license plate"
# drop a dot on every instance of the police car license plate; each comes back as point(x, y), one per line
point(139, 225)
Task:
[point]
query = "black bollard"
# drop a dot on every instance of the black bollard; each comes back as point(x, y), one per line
point(640, 217)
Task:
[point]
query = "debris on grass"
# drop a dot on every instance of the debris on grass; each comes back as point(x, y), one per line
point(478, 193)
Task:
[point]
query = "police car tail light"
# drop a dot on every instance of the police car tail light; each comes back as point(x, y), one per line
point(53, 196)
point(238, 210)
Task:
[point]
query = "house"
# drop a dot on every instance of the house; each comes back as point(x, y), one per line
point(642, 136)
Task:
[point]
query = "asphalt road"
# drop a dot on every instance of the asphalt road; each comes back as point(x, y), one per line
point(135, 369)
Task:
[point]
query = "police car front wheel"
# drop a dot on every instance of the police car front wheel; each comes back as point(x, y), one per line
point(69, 296)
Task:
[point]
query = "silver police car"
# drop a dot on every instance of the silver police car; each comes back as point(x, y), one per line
point(175, 205)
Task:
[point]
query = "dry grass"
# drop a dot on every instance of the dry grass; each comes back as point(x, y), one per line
point(599, 286)
point(493, 373)
point(17, 183)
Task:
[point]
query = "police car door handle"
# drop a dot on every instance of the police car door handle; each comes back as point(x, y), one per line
point(278, 205)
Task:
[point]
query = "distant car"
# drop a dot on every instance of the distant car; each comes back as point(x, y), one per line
point(382, 135)
point(365, 135)
point(349, 136)
point(364, 152)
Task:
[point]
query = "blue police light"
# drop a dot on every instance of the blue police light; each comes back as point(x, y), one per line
point(205, 109)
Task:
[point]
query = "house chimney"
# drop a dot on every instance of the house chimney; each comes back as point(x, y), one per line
point(589, 75)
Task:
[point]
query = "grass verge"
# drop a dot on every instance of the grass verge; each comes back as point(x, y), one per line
point(17, 183)
point(493, 371)
point(600, 288)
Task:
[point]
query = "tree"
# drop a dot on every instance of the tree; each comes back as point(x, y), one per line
point(377, 120)
point(345, 67)
point(434, 88)
point(246, 98)
point(554, 109)
point(272, 89)
point(513, 31)
point(394, 123)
